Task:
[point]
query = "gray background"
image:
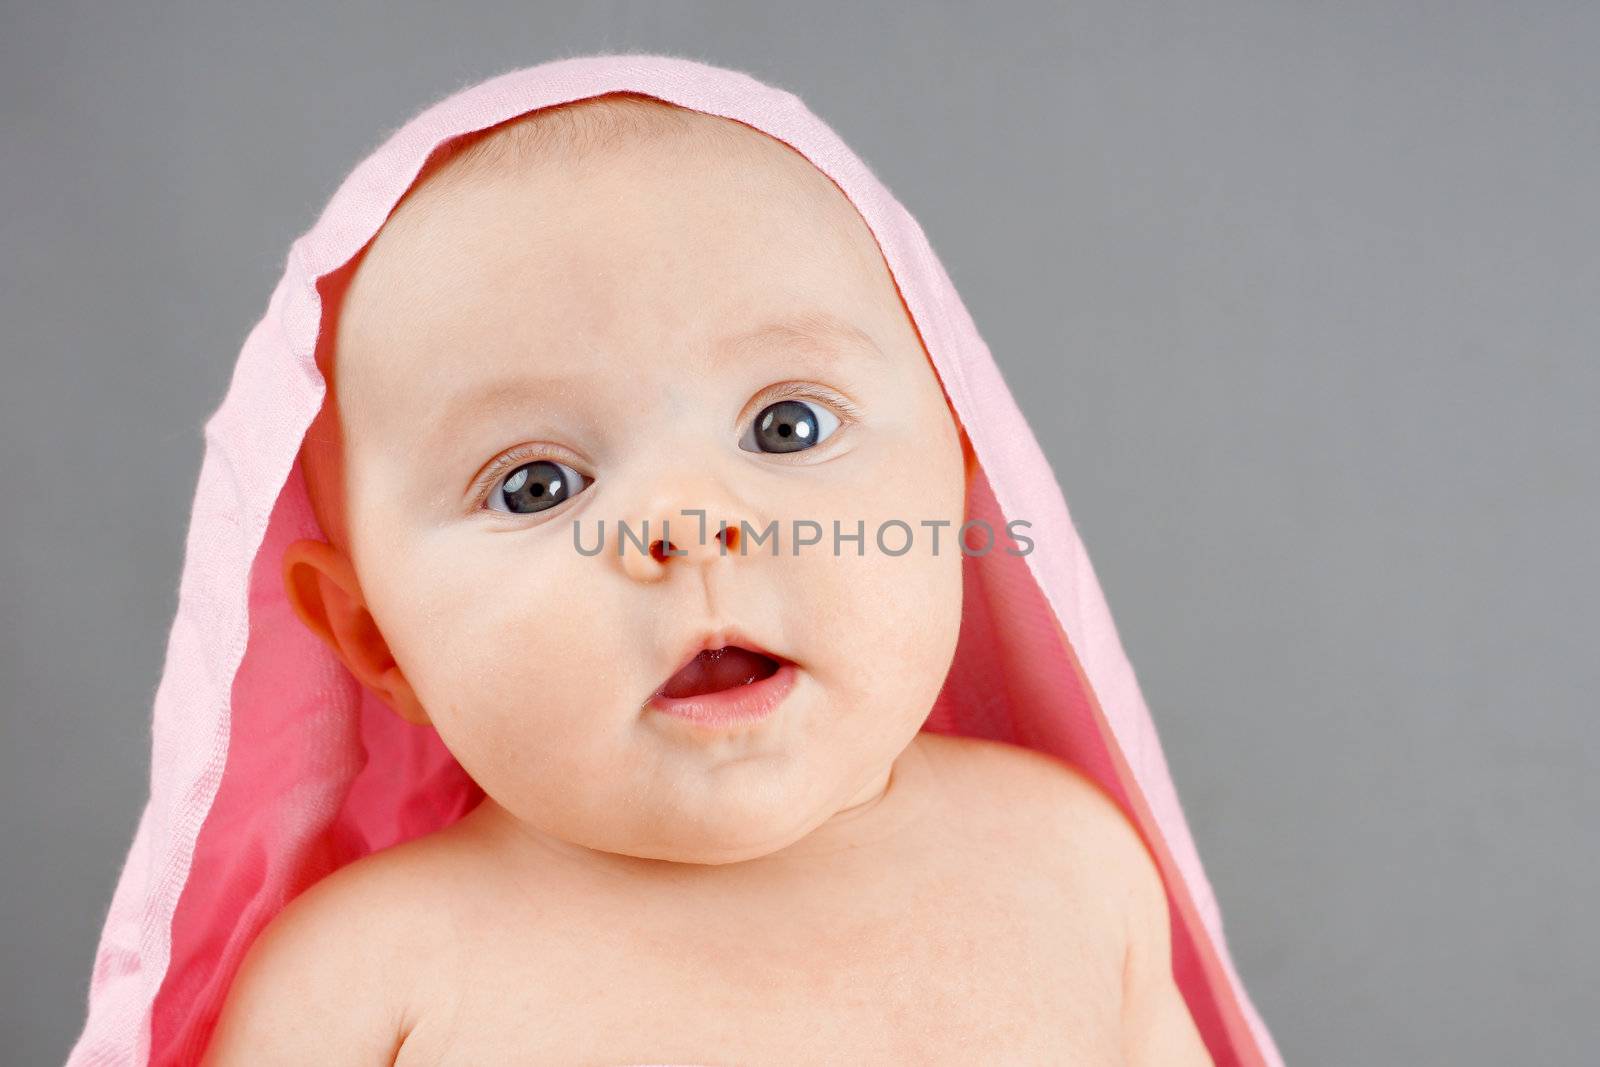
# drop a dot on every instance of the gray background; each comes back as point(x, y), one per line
point(1302, 301)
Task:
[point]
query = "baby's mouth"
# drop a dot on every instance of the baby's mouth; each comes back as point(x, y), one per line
point(716, 669)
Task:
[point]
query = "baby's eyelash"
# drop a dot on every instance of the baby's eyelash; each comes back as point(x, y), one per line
point(510, 462)
point(804, 391)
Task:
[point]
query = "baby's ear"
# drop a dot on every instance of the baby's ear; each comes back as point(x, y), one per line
point(323, 590)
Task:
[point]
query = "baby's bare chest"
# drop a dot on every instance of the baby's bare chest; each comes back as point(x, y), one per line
point(947, 965)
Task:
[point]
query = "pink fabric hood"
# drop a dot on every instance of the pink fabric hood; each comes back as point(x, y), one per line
point(271, 766)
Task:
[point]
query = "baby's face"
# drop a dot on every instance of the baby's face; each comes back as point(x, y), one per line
point(596, 340)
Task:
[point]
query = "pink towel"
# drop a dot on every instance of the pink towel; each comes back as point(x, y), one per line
point(271, 766)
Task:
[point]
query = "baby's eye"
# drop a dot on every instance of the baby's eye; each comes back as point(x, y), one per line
point(538, 486)
point(789, 426)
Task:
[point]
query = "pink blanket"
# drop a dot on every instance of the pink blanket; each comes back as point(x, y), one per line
point(271, 766)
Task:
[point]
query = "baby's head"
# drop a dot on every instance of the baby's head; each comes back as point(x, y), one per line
point(617, 311)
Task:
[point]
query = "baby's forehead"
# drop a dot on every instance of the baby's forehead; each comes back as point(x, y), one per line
point(551, 244)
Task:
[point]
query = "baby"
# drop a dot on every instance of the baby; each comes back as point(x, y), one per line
point(713, 830)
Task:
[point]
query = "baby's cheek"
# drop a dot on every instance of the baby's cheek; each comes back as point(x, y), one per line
point(902, 610)
point(514, 666)
point(892, 603)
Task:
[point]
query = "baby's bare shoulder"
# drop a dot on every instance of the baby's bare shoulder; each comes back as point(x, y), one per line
point(1028, 812)
point(1053, 808)
point(1033, 793)
point(327, 979)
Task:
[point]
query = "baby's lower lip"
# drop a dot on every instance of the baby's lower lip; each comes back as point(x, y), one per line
point(728, 708)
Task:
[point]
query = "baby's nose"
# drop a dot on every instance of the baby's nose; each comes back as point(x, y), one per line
point(661, 538)
point(695, 534)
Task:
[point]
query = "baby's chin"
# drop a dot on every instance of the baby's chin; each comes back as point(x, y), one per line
point(726, 826)
point(762, 806)
point(736, 819)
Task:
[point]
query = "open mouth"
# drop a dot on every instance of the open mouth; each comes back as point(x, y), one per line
point(718, 669)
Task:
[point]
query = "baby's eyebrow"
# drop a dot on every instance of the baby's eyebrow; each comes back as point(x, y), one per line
point(818, 330)
point(819, 334)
